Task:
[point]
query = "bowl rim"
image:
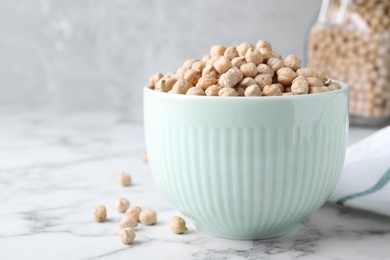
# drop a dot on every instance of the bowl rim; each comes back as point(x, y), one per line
point(344, 88)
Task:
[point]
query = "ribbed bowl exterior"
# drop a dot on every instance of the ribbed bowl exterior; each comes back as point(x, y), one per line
point(246, 168)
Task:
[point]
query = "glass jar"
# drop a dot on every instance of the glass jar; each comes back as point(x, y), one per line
point(351, 43)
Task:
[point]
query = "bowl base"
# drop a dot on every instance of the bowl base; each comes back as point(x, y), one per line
point(247, 235)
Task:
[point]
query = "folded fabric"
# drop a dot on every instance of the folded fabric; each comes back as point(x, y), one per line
point(365, 180)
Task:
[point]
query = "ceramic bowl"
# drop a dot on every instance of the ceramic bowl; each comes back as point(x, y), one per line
point(246, 167)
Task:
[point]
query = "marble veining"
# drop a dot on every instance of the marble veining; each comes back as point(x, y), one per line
point(55, 167)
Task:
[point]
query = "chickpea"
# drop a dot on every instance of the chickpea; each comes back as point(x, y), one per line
point(211, 61)
point(275, 63)
point(240, 91)
point(127, 221)
point(133, 212)
point(210, 71)
point(222, 65)
point(263, 44)
point(127, 235)
point(300, 86)
point(148, 217)
point(213, 90)
point(192, 76)
point(286, 75)
point(227, 92)
point(230, 78)
point(309, 72)
point(266, 53)
point(217, 50)
point(265, 69)
point(178, 225)
point(231, 53)
point(243, 48)
point(249, 69)
point(253, 55)
point(206, 81)
point(206, 57)
point(246, 82)
point(196, 91)
point(293, 62)
point(198, 65)
point(316, 89)
point(181, 86)
point(263, 79)
point(271, 90)
point(238, 62)
point(154, 78)
point(252, 91)
point(122, 205)
point(280, 86)
point(180, 73)
point(165, 85)
point(287, 94)
point(99, 213)
point(314, 82)
point(188, 64)
point(333, 85)
point(125, 179)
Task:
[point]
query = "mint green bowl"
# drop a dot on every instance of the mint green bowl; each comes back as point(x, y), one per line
point(246, 167)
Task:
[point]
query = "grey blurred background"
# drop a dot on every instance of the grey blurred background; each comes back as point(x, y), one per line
point(97, 54)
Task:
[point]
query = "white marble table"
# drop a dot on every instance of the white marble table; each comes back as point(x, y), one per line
point(55, 167)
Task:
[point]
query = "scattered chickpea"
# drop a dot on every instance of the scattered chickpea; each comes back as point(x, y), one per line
point(211, 61)
point(263, 44)
point(263, 79)
point(222, 65)
point(231, 78)
point(271, 90)
point(252, 91)
point(265, 69)
point(231, 53)
point(127, 235)
point(225, 92)
point(192, 76)
point(276, 55)
point(280, 86)
point(253, 55)
point(246, 82)
point(238, 62)
point(127, 221)
point(243, 48)
point(148, 217)
point(99, 213)
point(125, 179)
point(293, 62)
point(122, 205)
point(275, 63)
point(212, 90)
point(300, 86)
point(206, 81)
point(196, 91)
point(286, 75)
point(181, 86)
point(178, 225)
point(217, 50)
point(154, 78)
point(145, 157)
point(133, 212)
point(249, 69)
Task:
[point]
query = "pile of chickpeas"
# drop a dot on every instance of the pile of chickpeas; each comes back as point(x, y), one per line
point(357, 51)
point(243, 70)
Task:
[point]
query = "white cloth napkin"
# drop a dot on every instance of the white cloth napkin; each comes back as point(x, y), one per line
point(365, 180)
